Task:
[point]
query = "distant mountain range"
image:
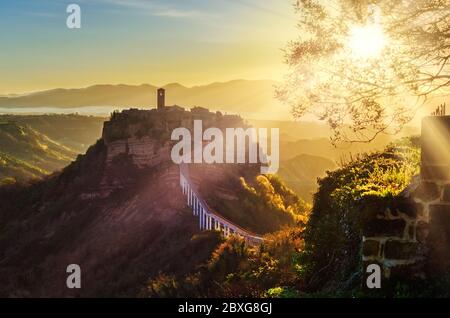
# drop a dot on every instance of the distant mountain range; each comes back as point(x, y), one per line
point(251, 98)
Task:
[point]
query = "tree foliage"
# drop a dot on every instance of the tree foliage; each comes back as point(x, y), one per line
point(236, 270)
point(361, 96)
point(333, 235)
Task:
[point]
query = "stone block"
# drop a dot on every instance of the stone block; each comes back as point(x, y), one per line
point(440, 222)
point(439, 237)
point(422, 231)
point(435, 172)
point(401, 250)
point(407, 272)
point(382, 227)
point(411, 229)
point(446, 196)
point(371, 248)
point(435, 140)
point(431, 153)
point(407, 206)
point(427, 191)
point(440, 214)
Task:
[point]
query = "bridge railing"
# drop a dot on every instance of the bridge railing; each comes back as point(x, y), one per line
point(208, 218)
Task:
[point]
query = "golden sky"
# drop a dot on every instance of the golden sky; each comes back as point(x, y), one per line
point(142, 41)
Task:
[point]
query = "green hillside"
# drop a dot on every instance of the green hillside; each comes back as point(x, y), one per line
point(73, 131)
point(301, 173)
point(334, 232)
point(263, 204)
point(317, 257)
point(26, 153)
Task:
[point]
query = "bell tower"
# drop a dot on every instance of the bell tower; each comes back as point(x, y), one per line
point(161, 98)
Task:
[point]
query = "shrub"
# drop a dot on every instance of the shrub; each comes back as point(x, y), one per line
point(236, 270)
point(331, 259)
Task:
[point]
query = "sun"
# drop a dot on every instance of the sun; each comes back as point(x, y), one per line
point(366, 42)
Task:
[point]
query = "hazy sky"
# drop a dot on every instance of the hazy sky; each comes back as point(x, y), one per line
point(141, 41)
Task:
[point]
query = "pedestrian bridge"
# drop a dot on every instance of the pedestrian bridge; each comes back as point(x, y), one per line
point(208, 218)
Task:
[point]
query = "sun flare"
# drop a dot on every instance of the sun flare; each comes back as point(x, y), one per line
point(366, 42)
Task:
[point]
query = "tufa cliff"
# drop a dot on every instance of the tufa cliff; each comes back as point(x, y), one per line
point(117, 211)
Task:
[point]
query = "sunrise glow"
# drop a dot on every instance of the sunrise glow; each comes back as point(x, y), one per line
point(366, 42)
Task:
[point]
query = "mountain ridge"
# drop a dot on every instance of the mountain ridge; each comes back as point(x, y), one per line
point(255, 97)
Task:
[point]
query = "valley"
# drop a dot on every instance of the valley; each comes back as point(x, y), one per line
point(305, 152)
point(238, 149)
point(118, 209)
point(28, 154)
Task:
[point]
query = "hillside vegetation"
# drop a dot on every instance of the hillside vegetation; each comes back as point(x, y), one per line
point(72, 131)
point(317, 256)
point(117, 240)
point(301, 173)
point(333, 236)
point(121, 223)
point(302, 160)
point(26, 153)
point(141, 230)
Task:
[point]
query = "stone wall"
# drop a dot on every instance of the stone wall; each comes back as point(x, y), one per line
point(145, 152)
point(435, 175)
point(395, 232)
point(409, 236)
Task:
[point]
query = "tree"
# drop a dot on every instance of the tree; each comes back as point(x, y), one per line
point(366, 66)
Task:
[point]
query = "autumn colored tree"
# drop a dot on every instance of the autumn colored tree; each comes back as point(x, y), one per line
point(366, 66)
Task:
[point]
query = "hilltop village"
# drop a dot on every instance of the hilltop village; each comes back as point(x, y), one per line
point(160, 122)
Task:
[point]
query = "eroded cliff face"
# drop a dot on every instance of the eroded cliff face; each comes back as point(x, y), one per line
point(144, 152)
point(117, 211)
point(141, 139)
point(119, 240)
point(127, 159)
